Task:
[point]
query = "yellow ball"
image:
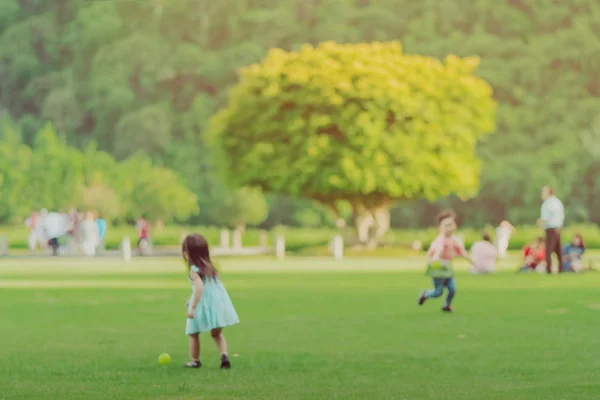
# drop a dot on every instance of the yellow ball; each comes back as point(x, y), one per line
point(164, 359)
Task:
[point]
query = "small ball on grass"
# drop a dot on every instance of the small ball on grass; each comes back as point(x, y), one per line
point(164, 359)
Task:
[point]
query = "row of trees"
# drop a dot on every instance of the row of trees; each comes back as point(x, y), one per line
point(51, 174)
point(147, 76)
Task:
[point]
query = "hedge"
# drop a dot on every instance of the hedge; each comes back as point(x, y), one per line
point(304, 239)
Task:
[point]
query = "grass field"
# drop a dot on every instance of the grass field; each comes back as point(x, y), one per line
point(310, 329)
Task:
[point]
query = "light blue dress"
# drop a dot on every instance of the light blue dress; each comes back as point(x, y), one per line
point(215, 309)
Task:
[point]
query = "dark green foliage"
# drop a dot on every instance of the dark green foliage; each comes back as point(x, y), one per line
point(103, 69)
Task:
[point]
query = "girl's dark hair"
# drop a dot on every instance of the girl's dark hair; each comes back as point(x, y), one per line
point(195, 252)
point(486, 237)
point(581, 242)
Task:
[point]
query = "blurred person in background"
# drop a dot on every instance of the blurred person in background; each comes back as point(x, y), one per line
point(32, 223)
point(534, 255)
point(90, 236)
point(143, 229)
point(55, 226)
point(102, 227)
point(484, 255)
point(74, 231)
point(573, 253)
point(41, 232)
point(552, 218)
point(503, 233)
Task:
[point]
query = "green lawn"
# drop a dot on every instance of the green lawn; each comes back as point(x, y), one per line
point(73, 329)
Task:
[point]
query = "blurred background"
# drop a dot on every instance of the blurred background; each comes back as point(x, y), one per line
point(105, 106)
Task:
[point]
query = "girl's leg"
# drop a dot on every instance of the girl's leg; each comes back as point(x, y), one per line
point(195, 347)
point(219, 338)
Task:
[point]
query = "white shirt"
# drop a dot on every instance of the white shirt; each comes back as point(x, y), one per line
point(553, 213)
point(55, 225)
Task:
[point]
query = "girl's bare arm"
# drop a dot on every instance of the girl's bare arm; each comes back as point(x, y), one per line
point(198, 289)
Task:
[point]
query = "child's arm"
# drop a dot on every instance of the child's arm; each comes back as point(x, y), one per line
point(198, 289)
point(435, 250)
point(462, 252)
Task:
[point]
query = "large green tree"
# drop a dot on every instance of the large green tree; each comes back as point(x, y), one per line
point(363, 123)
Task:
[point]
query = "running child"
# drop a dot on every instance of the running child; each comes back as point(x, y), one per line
point(209, 309)
point(441, 252)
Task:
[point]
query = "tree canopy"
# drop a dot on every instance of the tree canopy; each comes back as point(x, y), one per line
point(364, 123)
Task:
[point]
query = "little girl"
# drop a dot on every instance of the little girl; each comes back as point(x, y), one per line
point(209, 308)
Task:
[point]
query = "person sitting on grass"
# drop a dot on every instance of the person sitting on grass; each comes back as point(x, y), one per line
point(533, 255)
point(484, 255)
point(573, 253)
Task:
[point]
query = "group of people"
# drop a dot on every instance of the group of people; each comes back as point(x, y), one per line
point(534, 255)
point(66, 232)
point(75, 232)
point(537, 255)
point(485, 254)
point(448, 246)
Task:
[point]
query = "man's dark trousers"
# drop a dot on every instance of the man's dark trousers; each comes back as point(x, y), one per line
point(553, 245)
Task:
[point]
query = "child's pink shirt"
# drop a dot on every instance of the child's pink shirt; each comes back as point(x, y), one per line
point(450, 246)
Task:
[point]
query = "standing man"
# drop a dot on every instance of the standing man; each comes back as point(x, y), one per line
point(552, 220)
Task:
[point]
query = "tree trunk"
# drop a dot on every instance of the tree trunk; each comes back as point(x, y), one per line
point(371, 224)
point(363, 221)
point(381, 219)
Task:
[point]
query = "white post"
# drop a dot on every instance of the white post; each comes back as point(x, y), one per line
point(126, 249)
point(3, 246)
point(280, 247)
point(264, 239)
point(338, 247)
point(225, 239)
point(237, 239)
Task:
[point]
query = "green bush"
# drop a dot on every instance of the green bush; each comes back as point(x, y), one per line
point(315, 241)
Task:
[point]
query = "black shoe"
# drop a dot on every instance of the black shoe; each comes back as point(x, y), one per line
point(447, 309)
point(192, 364)
point(225, 364)
point(422, 298)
